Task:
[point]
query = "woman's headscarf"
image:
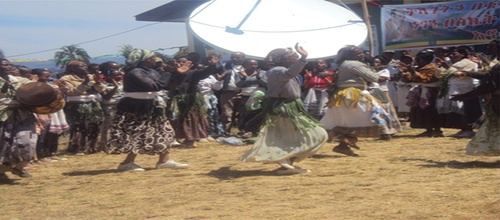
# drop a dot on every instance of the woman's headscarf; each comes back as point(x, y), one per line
point(136, 57)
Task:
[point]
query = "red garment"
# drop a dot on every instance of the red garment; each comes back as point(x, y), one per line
point(318, 82)
point(102, 78)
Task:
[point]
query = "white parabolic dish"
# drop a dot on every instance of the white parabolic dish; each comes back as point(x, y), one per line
point(256, 27)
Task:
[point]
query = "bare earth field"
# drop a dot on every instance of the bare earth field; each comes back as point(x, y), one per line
point(406, 178)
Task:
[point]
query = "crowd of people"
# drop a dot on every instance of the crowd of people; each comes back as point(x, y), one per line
point(288, 106)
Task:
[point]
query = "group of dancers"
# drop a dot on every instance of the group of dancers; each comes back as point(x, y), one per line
point(133, 117)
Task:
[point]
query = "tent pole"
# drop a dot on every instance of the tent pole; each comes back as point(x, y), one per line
point(368, 25)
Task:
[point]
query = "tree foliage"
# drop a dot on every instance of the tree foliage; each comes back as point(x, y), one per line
point(126, 50)
point(70, 53)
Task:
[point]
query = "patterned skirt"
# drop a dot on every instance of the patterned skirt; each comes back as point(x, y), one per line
point(84, 121)
point(140, 134)
point(17, 139)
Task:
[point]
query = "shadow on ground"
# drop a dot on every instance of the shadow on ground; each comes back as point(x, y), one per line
point(225, 173)
point(9, 182)
point(462, 165)
point(91, 172)
point(321, 156)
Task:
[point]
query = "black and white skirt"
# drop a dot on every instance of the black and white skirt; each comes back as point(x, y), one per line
point(140, 134)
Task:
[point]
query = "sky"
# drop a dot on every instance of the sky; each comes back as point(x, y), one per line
point(29, 27)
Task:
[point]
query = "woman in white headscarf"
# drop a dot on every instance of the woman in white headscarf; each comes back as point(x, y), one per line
point(141, 125)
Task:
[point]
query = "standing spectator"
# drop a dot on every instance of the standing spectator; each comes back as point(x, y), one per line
point(380, 90)
point(252, 81)
point(422, 96)
point(52, 125)
point(316, 84)
point(192, 124)
point(108, 65)
point(402, 89)
point(442, 53)
point(458, 114)
point(24, 72)
point(113, 94)
point(487, 61)
point(83, 110)
point(207, 87)
point(230, 97)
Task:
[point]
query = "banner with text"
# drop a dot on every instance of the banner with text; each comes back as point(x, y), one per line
point(440, 24)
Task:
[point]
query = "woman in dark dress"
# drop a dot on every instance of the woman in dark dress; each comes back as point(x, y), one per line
point(192, 123)
point(141, 125)
point(423, 94)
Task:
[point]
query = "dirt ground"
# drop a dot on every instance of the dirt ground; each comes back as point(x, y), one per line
point(405, 178)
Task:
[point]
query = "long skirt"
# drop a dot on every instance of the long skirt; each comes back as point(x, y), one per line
point(47, 143)
point(109, 114)
point(17, 139)
point(50, 127)
point(486, 142)
point(250, 120)
point(215, 127)
point(192, 123)
point(393, 126)
point(392, 91)
point(424, 115)
point(191, 126)
point(458, 114)
point(84, 121)
point(298, 136)
point(352, 114)
point(470, 112)
point(403, 90)
point(315, 102)
point(140, 134)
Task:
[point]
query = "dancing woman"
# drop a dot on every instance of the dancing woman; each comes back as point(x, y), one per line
point(486, 141)
point(353, 112)
point(289, 134)
point(140, 125)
